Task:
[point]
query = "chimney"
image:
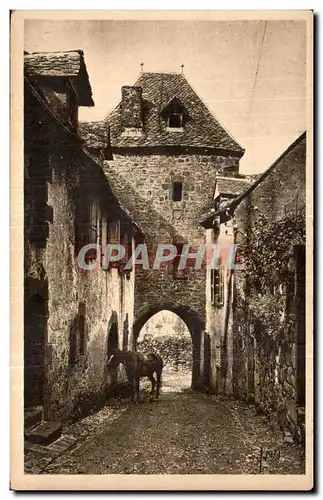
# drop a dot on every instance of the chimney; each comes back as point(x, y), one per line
point(131, 107)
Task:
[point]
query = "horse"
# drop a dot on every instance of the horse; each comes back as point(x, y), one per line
point(138, 365)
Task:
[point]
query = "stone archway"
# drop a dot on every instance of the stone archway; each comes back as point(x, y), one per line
point(194, 323)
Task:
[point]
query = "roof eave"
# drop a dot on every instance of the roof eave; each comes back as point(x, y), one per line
point(84, 88)
point(236, 201)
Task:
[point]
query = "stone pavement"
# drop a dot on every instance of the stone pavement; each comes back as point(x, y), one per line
point(184, 433)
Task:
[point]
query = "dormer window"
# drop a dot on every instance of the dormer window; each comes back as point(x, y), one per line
point(175, 115)
point(175, 120)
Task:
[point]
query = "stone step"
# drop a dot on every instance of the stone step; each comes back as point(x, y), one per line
point(44, 433)
point(33, 416)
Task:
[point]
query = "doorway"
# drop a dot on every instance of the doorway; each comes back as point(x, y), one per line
point(35, 323)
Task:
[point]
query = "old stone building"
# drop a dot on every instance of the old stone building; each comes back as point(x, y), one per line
point(74, 317)
point(219, 232)
point(167, 148)
point(261, 336)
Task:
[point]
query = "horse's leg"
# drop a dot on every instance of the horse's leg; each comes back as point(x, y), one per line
point(137, 386)
point(158, 384)
point(153, 383)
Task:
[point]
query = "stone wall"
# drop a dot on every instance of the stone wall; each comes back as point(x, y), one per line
point(108, 298)
point(145, 182)
point(268, 302)
point(176, 351)
point(84, 308)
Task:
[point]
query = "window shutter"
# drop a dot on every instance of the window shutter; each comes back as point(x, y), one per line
point(81, 222)
point(114, 238)
point(217, 286)
point(94, 225)
point(104, 235)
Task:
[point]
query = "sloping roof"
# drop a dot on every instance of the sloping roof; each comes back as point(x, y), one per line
point(265, 174)
point(226, 212)
point(231, 185)
point(42, 101)
point(68, 64)
point(95, 134)
point(227, 188)
point(202, 129)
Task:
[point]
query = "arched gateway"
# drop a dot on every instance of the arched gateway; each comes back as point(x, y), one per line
point(195, 325)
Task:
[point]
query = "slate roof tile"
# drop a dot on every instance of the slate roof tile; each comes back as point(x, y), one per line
point(202, 129)
point(69, 64)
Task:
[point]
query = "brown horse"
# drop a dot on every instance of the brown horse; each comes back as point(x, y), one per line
point(138, 365)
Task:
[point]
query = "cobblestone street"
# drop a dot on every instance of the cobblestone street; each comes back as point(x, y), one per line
point(184, 433)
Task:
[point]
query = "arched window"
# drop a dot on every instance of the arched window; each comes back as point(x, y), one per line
point(112, 340)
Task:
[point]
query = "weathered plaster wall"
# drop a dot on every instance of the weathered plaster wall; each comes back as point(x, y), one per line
point(219, 317)
point(108, 298)
point(55, 168)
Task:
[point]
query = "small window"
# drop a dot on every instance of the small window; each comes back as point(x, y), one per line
point(114, 237)
point(217, 286)
point(87, 223)
point(175, 120)
point(177, 191)
point(114, 232)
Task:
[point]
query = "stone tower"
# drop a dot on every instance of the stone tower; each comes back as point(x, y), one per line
point(167, 149)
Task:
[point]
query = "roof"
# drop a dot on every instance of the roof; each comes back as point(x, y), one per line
point(226, 212)
point(42, 101)
point(94, 134)
point(68, 64)
point(227, 188)
point(231, 185)
point(202, 129)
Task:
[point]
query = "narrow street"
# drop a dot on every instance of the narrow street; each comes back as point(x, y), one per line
point(184, 433)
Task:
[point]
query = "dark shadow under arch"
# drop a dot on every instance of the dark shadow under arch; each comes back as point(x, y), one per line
point(192, 320)
point(112, 344)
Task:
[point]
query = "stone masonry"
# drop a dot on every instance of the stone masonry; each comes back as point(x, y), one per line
point(261, 363)
point(74, 318)
point(151, 153)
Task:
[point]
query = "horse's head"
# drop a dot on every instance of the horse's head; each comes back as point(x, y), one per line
point(115, 359)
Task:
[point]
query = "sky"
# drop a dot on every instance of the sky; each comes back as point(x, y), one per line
point(250, 74)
